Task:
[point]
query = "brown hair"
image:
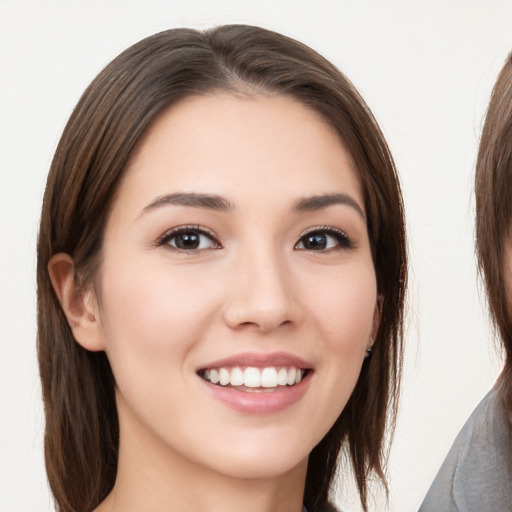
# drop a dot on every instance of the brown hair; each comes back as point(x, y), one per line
point(81, 437)
point(493, 191)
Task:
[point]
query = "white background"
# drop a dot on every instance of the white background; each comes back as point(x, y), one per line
point(426, 69)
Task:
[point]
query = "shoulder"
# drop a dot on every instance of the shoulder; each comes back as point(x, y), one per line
point(477, 472)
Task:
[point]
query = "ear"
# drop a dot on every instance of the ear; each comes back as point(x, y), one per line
point(376, 322)
point(80, 306)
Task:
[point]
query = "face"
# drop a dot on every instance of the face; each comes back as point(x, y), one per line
point(237, 294)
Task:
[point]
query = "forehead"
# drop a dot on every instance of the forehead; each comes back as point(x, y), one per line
point(250, 146)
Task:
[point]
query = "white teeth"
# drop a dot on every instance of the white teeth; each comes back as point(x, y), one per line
point(223, 377)
point(214, 376)
point(237, 377)
point(282, 377)
point(252, 377)
point(269, 378)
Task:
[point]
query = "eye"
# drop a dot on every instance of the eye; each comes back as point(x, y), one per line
point(189, 239)
point(323, 239)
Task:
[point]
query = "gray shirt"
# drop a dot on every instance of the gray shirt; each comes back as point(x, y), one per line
point(476, 475)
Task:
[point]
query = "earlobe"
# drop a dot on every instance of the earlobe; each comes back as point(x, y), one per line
point(80, 306)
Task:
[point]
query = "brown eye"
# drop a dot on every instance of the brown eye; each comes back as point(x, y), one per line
point(188, 239)
point(315, 242)
point(323, 240)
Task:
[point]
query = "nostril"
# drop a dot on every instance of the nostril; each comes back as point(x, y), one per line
point(262, 312)
point(263, 326)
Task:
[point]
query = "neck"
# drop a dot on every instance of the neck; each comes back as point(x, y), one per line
point(154, 478)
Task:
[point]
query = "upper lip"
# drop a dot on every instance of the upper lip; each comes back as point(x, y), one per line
point(257, 360)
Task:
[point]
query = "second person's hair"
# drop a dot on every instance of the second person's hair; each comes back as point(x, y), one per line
point(493, 193)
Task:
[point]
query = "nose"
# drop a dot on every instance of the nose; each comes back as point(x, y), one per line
point(262, 294)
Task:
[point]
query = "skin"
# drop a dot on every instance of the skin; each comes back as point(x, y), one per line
point(162, 313)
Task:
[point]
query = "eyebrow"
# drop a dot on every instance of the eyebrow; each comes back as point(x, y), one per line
point(320, 202)
point(220, 204)
point(196, 200)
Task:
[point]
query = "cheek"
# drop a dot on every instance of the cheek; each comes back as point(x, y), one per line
point(155, 312)
point(344, 314)
point(344, 308)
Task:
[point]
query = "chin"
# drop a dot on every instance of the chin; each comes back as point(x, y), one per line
point(261, 467)
point(262, 460)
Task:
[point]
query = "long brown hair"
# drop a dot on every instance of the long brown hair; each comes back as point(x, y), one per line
point(82, 433)
point(493, 192)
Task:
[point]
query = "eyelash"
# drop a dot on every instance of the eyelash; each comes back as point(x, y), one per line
point(343, 240)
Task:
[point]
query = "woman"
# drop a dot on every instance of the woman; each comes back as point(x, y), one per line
point(221, 279)
point(477, 472)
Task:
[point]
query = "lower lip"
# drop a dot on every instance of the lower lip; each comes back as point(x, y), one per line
point(259, 402)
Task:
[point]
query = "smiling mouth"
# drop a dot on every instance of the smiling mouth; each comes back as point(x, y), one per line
point(252, 379)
